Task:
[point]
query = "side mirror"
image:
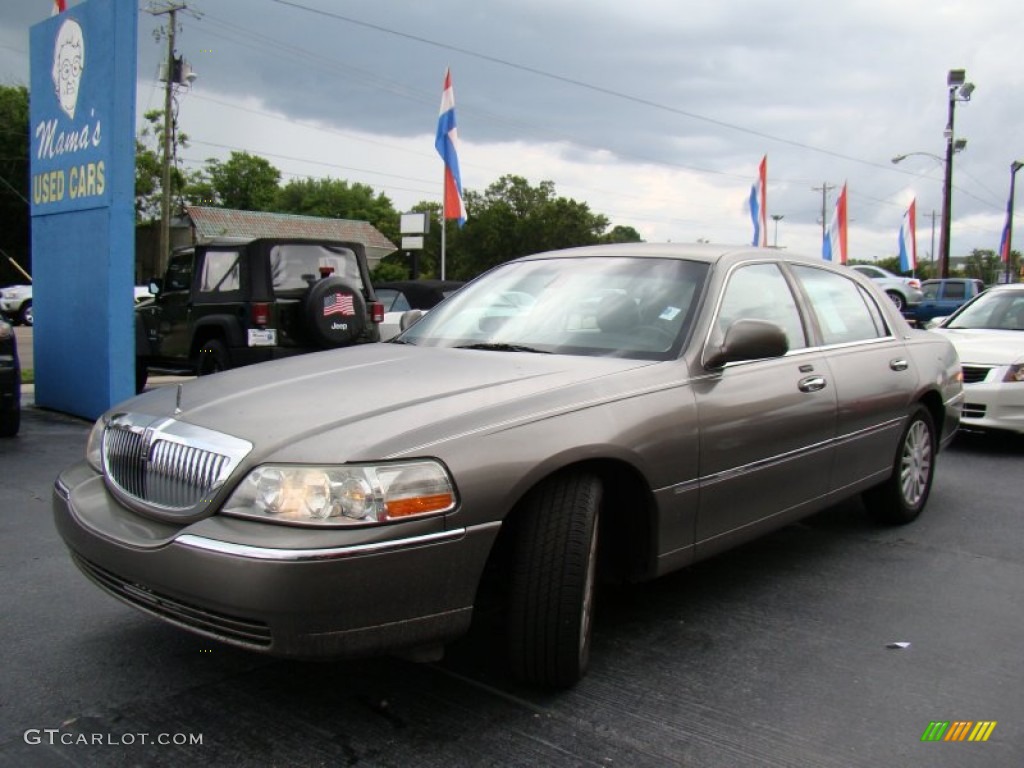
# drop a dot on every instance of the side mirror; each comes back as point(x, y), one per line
point(409, 318)
point(935, 322)
point(155, 285)
point(748, 340)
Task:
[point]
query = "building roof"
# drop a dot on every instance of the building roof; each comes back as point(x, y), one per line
point(209, 223)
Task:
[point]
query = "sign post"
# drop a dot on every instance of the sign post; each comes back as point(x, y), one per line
point(82, 125)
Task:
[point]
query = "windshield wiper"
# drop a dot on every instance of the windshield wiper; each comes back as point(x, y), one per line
point(494, 347)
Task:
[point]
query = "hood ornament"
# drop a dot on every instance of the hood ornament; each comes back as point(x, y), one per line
point(177, 400)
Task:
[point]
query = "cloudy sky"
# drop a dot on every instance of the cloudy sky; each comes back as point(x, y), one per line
point(654, 112)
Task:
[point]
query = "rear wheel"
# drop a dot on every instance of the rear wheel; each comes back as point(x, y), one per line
point(897, 299)
point(213, 357)
point(26, 313)
point(551, 600)
point(900, 499)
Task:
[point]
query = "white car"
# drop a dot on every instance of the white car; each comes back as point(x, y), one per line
point(905, 292)
point(988, 333)
point(16, 304)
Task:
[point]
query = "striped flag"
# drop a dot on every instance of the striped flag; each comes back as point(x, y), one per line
point(908, 239)
point(339, 304)
point(447, 144)
point(759, 205)
point(59, 6)
point(834, 247)
point(1004, 242)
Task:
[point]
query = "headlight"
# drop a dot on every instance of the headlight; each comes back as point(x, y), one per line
point(94, 445)
point(1015, 374)
point(343, 495)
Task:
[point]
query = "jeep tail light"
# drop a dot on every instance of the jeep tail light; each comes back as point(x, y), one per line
point(377, 312)
point(260, 313)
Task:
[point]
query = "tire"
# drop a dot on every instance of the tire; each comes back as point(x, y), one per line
point(551, 597)
point(213, 358)
point(335, 313)
point(10, 421)
point(900, 499)
point(25, 317)
point(141, 375)
point(897, 299)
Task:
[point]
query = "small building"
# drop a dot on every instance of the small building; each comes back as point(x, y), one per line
point(202, 223)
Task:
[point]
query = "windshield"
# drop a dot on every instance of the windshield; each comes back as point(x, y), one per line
point(996, 310)
point(602, 306)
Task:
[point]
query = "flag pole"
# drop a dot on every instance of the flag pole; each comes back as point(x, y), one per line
point(444, 190)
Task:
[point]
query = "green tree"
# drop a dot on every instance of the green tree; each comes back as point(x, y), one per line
point(243, 182)
point(622, 234)
point(15, 221)
point(511, 219)
point(987, 266)
point(338, 199)
point(149, 152)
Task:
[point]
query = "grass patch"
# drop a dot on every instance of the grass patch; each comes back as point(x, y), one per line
point(28, 376)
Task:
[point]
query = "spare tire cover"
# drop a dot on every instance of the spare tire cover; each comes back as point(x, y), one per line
point(336, 312)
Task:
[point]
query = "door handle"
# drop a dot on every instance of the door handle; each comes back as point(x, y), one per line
point(812, 384)
point(899, 364)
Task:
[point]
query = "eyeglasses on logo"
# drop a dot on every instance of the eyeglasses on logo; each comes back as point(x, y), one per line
point(958, 730)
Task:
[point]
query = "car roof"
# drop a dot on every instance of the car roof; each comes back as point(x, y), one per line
point(706, 252)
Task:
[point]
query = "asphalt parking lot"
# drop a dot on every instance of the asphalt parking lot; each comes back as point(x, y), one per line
point(775, 654)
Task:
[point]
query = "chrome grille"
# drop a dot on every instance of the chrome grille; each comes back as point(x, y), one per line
point(975, 373)
point(169, 465)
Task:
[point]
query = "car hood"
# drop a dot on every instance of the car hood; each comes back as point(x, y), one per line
point(985, 346)
point(383, 400)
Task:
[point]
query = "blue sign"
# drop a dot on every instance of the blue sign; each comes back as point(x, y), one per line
point(82, 124)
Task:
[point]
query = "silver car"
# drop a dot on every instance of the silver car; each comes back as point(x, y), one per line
point(904, 292)
point(643, 407)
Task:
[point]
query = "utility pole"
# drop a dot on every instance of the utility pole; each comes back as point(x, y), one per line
point(165, 204)
point(825, 188)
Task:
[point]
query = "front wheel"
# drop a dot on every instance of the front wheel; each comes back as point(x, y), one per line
point(900, 499)
point(551, 600)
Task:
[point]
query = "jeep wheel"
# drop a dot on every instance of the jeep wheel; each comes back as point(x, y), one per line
point(335, 312)
point(213, 358)
point(141, 375)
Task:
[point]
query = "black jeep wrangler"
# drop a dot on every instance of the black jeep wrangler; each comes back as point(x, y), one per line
point(234, 302)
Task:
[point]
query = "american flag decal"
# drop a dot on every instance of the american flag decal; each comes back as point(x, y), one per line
point(338, 304)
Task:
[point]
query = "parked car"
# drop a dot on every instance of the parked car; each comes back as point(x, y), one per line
point(16, 304)
point(10, 382)
point(988, 333)
point(231, 302)
point(649, 406)
point(944, 296)
point(399, 296)
point(905, 292)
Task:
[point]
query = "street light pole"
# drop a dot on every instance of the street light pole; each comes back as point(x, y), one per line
point(777, 217)
point(1015, 166)
point(958, 91)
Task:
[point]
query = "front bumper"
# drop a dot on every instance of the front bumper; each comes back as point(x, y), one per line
point(995, 405)
point(358, 594)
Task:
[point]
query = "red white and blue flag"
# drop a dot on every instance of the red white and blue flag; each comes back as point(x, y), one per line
point(759, 205)
point(447, 144)
point(1004, 242)
point(908, 239)
point(339, 304)
point(59, 6)
point(834, 247)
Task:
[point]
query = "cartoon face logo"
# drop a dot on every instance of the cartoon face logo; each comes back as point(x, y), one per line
point(68, 63)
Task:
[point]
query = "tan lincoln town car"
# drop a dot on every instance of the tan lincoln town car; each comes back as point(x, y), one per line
point(566, 420)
